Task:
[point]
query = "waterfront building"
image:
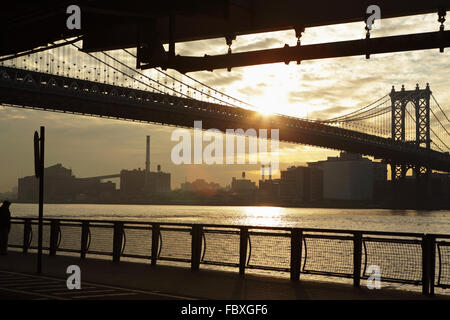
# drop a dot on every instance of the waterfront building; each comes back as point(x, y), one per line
point(301, 184)
point(351, 177)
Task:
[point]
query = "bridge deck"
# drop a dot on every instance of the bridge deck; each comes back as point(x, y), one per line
point(166, 282)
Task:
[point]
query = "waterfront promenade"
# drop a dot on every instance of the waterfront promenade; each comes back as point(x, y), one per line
point(121, 280)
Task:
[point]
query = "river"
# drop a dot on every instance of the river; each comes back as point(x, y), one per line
point(349, 219)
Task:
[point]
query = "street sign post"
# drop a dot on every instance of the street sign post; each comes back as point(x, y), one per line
point(36, 154)
point(39, 171)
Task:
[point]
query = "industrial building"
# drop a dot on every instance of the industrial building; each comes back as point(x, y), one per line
point(142, 184)
point(61, 186)
point(139, 183)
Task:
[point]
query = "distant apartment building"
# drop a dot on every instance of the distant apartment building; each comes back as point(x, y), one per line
point(201, 187)
point(301, 184)
point(269, 190)
point(61, 186)
point(243, 186)
point(351, 177)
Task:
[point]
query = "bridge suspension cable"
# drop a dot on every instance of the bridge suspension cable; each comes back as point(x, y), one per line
point(433, 132)
point(199, 82)
point(356, 112)
point(439, 121)
point(443, 112)
point(125, 65)
point(141, 74)
point(163, 85)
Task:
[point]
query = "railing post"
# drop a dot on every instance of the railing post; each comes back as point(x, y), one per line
point(117, 241)
point(155, 242)
point(432, 263)
point(243, 250)
point(426, 264)
point(296, 253)
point(84, 239)
point(26, 235)
point(357, 255)
point(196, 247)
point(54, 233)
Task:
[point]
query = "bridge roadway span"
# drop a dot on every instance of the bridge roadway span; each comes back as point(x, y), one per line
point(29, 89)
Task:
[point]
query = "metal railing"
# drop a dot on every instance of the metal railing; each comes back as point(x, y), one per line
point(407, 258)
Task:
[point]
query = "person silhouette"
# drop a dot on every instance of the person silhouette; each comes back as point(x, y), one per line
point(5, 226)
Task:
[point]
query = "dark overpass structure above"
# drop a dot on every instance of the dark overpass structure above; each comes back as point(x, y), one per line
point(148, 25)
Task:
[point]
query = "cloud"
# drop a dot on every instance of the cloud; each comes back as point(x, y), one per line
point(251, 90)
point(258, 44)
point(329, 112)
point(218, 78)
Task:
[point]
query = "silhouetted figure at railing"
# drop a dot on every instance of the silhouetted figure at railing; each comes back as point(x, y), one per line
point(5, 226)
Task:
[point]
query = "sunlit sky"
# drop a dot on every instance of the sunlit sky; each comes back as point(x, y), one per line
point(315, 89)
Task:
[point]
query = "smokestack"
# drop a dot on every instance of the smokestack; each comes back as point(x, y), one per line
point(270, 171)
point(147, 156)
point(262, 172)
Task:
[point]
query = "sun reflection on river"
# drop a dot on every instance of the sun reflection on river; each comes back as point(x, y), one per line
point(267, 216)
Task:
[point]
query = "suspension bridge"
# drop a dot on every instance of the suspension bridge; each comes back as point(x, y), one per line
point(406, 128)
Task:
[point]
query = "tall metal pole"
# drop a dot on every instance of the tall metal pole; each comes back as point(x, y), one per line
point(41, 199)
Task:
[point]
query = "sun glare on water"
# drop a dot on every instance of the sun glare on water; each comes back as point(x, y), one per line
point(266, 216)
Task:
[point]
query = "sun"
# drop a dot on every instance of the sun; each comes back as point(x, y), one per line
point(265, 110)
point(270, 93)
point(269, 103)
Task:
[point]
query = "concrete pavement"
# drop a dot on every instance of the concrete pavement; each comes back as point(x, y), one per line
point(168, 282)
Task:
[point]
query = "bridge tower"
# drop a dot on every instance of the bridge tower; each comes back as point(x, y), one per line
point(420, 99)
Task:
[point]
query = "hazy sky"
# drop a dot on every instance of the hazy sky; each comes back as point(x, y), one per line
point(316, 89)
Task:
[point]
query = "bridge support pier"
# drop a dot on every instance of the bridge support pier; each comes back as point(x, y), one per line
point(422, 184)
point(398, 182)
point(414, 192)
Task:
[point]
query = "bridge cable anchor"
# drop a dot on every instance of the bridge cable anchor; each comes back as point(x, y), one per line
point(367, 28)
point(367, 41)
point(441, 18)
point(298, 34)
point(286, 46)
point(229, 39)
